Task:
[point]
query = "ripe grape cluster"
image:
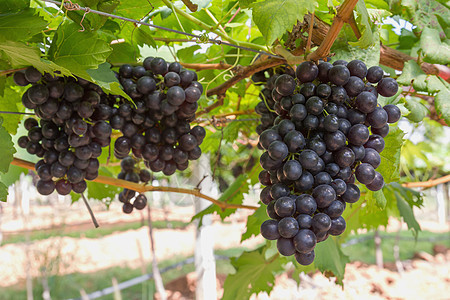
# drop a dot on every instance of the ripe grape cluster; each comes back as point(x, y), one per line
point(131, 172)
point(328, 131)
point(76, 120)
point(70, 133)
point(158, 129)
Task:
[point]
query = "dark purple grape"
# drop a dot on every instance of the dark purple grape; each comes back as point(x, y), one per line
point(366, 102)
point(354, 86)
point(305, 258)
point(287, 227)
point(387, 87)
point(285, 246)
point(335, 209)
point(324, 194)
point(393, 113)
point(45, 187)
point(305, 182)
point(375, 142)
point(378, 118)
point(339, 75)
point(284, 206)
point(338, 226)
point(320, 223)
point(307, 71)
point(374, 74)
point(365, 173)
point(305, 204)
point(304, 241)
point(358, 135)
point(344, 157)
point(383, 131)
point(352, 193)
point(377, 183)
point(372, 157)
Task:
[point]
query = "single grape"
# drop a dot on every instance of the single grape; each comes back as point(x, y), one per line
point(304, 241)
point(307, 71)
point(387, 87)
point(305, 259)
point(393, 113)
point(284, 206)
point(305, 204)
point(287, 227)
point(338, 226)
point(365, 173)
point(320, 223)
point(304, 221)
point(352, 193)
point(285, 246)
point(377, 183)
point(269, 230)
point(374, 74)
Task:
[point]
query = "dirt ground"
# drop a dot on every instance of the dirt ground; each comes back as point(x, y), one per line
point(421, 279)
point(427, 276)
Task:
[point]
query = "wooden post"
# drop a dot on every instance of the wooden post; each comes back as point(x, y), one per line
point(205, 264)
point(378, 251)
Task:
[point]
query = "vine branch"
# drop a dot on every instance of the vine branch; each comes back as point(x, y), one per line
point(343, 15)
point(428, 183)
point(146, 188)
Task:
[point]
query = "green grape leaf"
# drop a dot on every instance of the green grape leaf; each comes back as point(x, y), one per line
point(442, 104)
point(3, 192)
point(78, 51)
point(390, 157)
point(12, 175)
point(137, 8)
point(418, 111)
point(123, 53)
point(435, 51)
point(274, 17)
point(379, 197)
point(422, 13)
point(254, 274)
point(370, 56)
point(407, 214)
point(246, 3)
point(329, 257)
point(11, 101)
point(367, 37)
point(410, 72)
point(254, 222)
point(24, 24)
point(6, 149)
point(106, 79)
point(21, 55)
point(8, 6)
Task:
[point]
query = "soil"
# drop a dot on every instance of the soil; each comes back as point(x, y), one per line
point(426, 276)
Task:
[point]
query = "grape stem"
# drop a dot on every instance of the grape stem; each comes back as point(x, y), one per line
point(142, 188)
point(91, 213)
point(343, 15)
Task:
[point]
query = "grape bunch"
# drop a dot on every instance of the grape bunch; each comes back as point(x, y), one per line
point(76, 120)
point(131, 172)
point(70, 133)
point(327, 134)
point(158, 129)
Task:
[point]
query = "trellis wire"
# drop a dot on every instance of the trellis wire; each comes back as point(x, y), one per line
point(16, 113)
point(198, 37)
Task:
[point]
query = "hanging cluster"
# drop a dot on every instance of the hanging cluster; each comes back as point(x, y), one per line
point(75, 120)
point(321, 129)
